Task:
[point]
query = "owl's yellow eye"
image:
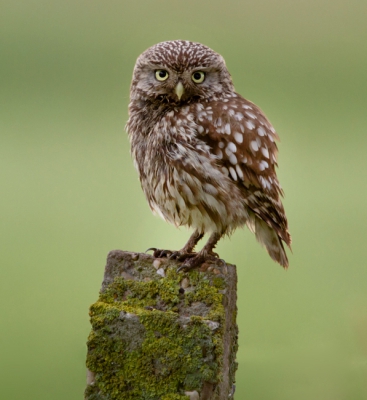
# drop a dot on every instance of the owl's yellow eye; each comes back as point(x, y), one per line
point(161, 75)
point(198, 76)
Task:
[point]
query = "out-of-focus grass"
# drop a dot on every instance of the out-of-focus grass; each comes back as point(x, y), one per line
point(70, 193)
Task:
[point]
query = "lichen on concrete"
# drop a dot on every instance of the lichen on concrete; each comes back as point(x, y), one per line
point(154, 339)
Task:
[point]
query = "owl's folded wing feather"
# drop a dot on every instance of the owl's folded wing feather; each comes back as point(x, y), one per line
point(243, 141)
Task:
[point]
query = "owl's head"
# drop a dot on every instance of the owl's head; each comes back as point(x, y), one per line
point(180, 72)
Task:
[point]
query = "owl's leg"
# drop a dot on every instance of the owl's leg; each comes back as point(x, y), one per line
point(205, 254)
point(182, 254)
point(187, 250)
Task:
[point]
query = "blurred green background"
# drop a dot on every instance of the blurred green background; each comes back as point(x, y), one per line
point(69, 192)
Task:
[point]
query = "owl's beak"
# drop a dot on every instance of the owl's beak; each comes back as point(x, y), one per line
point(179, 90)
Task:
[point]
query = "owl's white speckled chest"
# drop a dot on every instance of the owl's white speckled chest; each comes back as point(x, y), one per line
point(180, 176)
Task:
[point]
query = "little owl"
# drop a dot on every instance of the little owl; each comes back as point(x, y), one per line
point(206, 156)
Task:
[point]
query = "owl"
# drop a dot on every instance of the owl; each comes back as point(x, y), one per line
point(205, 156)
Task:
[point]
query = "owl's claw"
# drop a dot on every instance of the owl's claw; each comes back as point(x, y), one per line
point(159, 253)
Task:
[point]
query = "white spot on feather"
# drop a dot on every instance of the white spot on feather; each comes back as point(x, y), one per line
point(239, 116)
point(238, 137)
point(254, 146)
point(239, 171)
point(210, 189)
point(227, 129)
point(261, 131)
point(249, 125)
point(232, 159)
point(232, 147)
point(263, 165)
point(264, 182)
point(265, 152)
point(233, 173)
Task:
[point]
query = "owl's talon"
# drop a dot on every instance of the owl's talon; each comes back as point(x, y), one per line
point(159, 253)
point(175, 255)
point(181, 268)
point(164, 254)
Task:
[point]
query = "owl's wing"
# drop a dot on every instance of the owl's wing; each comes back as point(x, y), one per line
point(243, 140)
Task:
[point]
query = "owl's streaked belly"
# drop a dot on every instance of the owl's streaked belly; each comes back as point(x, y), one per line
point(186, 200)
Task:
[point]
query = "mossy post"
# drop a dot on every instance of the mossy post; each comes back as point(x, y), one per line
point(159, 334)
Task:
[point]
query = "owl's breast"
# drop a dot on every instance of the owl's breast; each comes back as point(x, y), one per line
point(182, 181)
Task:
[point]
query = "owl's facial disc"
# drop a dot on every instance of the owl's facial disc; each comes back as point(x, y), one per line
point(179, 90)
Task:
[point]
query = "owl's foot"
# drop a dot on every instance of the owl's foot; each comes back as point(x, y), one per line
point(198, 260)
point(204, 255)
point(180, 255)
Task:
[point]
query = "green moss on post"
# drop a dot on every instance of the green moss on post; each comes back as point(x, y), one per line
point(162, 335)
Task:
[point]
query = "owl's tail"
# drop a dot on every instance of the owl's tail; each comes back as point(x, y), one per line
point(269, 238)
